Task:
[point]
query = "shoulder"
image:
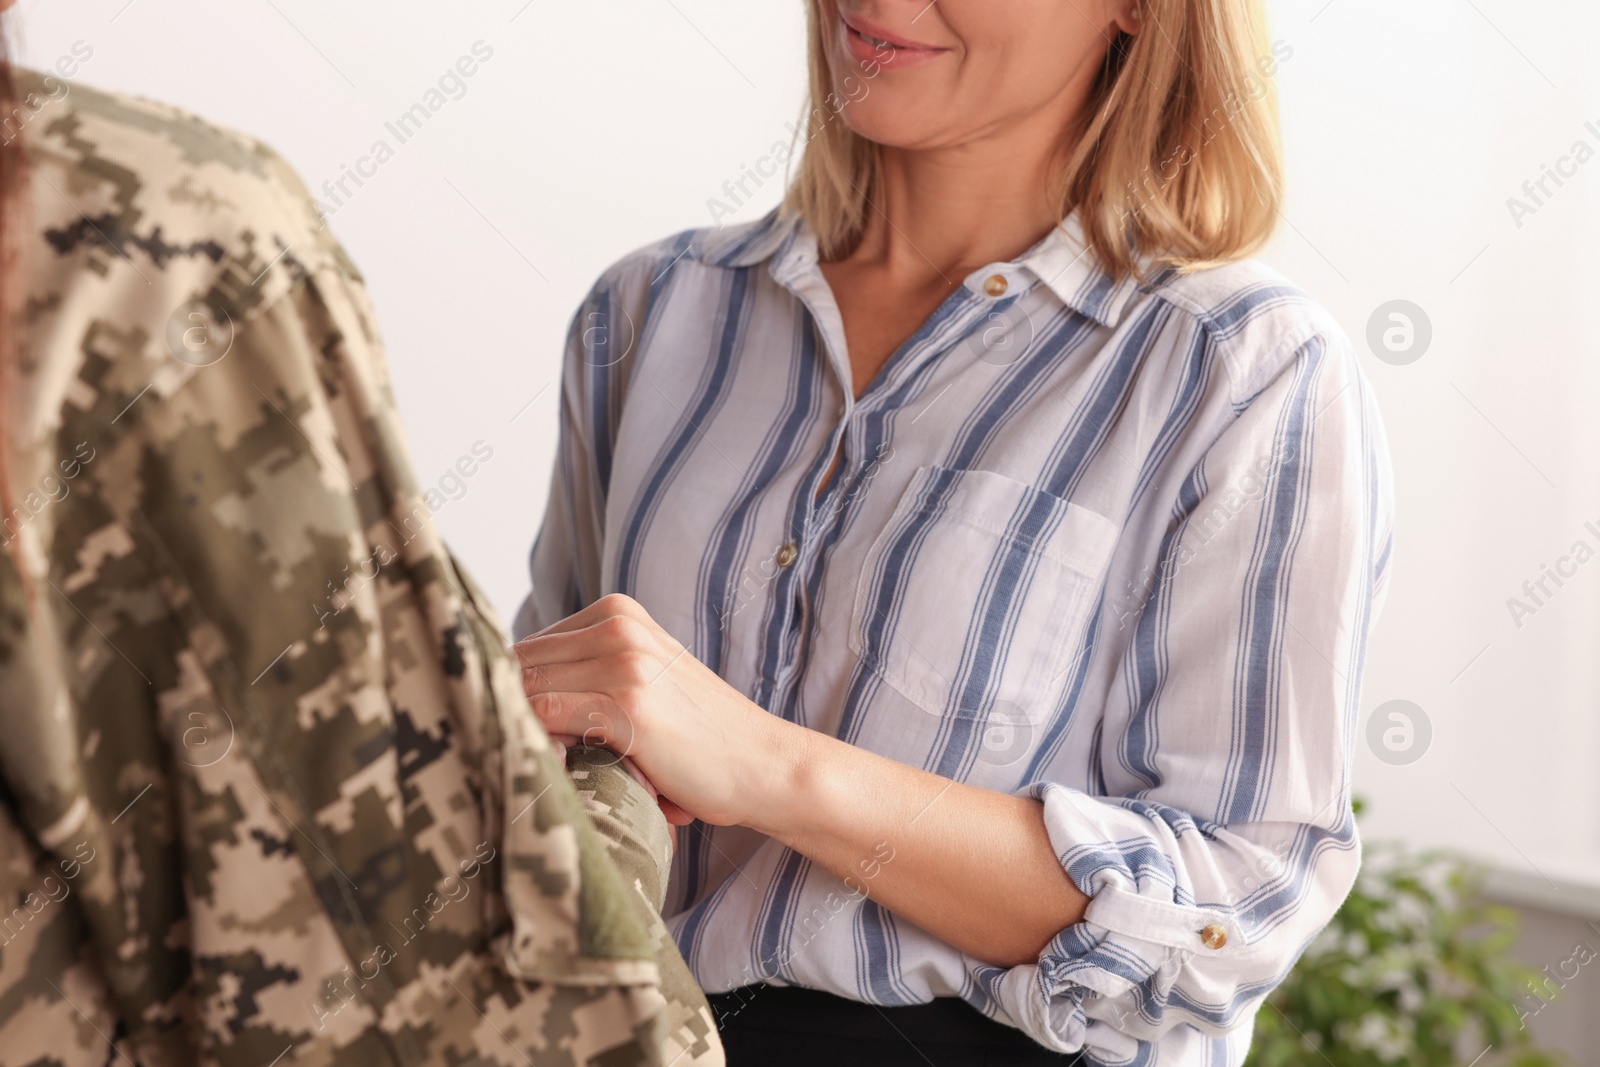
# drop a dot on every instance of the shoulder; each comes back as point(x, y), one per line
point(701, 252)
point(120, 177)
point(1256, 322)
point(154, 240)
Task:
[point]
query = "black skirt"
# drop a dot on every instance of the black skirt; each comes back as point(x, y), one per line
point(776, 1026)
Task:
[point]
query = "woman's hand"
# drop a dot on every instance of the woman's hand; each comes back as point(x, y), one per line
point(613, 676)
point(979, 872)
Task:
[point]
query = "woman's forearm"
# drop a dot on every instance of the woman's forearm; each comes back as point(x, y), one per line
point(973, 867)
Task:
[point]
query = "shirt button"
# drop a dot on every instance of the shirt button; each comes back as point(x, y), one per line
point(787, 555)
point(996, 285)
point(1213, 936)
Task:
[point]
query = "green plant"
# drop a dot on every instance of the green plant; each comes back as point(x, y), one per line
point(1413, 971)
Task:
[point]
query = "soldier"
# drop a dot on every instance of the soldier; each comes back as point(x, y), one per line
point(270, 790)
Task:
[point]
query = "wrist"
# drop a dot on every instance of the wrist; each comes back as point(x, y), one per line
point(785, 780)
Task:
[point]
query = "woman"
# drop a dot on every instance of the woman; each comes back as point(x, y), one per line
point(980, 551)
point(269, 790)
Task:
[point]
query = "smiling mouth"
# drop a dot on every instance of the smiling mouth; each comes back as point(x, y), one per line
point(870, 47)
point(873, 41)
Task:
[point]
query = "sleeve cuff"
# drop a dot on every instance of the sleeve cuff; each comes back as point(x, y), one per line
point(1140, 929)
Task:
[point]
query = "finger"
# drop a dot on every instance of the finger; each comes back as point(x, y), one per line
point(581, 676)
point(567, 647)
point(676, 816)
point(604, 608)
point(591, 717)
point(603, 637)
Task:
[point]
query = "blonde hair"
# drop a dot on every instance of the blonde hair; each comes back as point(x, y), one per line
point(1175, 159)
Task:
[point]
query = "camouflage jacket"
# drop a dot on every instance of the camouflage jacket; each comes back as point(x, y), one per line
point(269, 788)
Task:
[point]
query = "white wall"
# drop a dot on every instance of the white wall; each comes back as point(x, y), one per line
point(597, 127)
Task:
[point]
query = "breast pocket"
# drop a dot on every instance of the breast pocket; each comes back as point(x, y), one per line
point(977, 593)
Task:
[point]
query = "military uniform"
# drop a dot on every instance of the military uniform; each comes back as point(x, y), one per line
point(270, 791)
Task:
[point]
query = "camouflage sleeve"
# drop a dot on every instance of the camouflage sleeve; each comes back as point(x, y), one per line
point(246, 675)
point(53, 1006)
point(640, 843)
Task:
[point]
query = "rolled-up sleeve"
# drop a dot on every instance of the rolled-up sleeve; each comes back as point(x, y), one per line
point(1224, 839)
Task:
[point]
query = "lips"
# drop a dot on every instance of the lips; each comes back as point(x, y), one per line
point(871, 43)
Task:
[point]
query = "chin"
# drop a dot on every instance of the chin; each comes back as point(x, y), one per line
point(891, 124)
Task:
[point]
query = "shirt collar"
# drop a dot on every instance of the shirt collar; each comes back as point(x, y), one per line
point(1066, 265)
point(1061, 261)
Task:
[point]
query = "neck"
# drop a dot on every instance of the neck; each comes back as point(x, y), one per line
point(951, 209)
point(953, 212)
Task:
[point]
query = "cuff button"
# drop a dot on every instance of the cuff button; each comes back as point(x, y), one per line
point(1213, 936)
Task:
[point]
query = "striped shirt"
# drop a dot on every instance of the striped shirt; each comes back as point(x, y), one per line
point(1114, 545)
